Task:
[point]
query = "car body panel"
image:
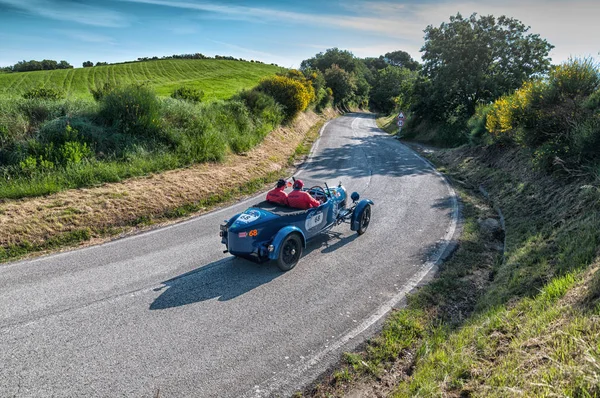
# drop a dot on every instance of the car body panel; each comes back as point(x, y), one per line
point(258, 232)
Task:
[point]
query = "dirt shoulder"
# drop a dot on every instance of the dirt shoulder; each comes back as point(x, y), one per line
point(94, 215)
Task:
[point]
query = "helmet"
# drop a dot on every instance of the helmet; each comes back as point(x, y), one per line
point(298, 184)
point(281, 183)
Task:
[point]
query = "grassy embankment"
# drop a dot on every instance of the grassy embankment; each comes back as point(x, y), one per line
point(226, 148)
point(219, 79)
point(93, 215)
point(525, 323)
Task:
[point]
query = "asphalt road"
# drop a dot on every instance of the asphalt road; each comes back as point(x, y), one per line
point(168, 312)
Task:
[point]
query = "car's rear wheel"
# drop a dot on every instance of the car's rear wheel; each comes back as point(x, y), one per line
point(289, 252)
point(365, 219)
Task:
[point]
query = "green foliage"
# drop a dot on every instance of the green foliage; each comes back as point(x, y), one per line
point(324, 99)
point(475, 60)
point(264, 107)
point(99, 93)
point(292, 94)
point(46, 64)
point(392, 89)
point(477, 125)
point(73, 152)
point(401, 59)
point(44, 93)
point(188, 94)
point(349, 78)
point(334, 56)
point(47, 146)
point(132, 110)
point(557, 118)
point(342, 84)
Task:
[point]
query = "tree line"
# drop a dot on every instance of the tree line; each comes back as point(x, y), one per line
point(46, 64)
point(482, 80)
point(466, 62)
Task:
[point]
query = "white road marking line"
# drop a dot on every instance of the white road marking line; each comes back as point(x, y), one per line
point(312, 151)
point(273, 384)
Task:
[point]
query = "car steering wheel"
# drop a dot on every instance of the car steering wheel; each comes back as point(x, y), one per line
point(320, 196)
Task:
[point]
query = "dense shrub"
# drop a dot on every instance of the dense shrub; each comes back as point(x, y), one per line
point(179, 114)
point(44, 93)
point(37, 111)
point(128, 131)
point(291, 93)
point(100, 92)
point(509, 114)
point(188, 94)
point(558, 118)
point(60, 148)
point(263, 107)
point(324, 98)
point(133, 110)
point(477, 125)
point(342, 83)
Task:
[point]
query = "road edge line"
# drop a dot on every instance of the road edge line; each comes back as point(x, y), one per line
point(429, 269)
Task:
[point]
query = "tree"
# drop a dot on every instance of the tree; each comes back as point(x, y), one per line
point(474, 60)
point(88, 64)
point(333, 56)
point(342, 83)
point(64, 65)
point(402, 59)
point(393, 87)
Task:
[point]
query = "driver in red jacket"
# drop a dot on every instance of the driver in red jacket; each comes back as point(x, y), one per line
point(301, 199)
point(277, 195)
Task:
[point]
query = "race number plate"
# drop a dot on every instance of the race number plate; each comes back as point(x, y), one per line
point(314, 220)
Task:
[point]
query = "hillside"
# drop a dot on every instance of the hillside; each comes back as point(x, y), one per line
point(219, 79)
point(515, 310)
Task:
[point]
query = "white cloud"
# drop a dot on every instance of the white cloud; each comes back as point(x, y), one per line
point(73, 12)
point(389, 27)
point(87, 37)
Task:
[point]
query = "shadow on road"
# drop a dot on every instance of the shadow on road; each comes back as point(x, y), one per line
point(224, 279)
point(231, 277)
point(446, 203)
point(366, 156)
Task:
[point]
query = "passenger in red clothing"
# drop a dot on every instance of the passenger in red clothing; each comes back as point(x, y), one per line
point(277, 196)
point(301, 199)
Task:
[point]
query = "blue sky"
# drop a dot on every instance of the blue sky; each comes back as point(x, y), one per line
point(283, 32)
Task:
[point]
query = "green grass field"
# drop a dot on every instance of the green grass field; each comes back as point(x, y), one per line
point(219, 79)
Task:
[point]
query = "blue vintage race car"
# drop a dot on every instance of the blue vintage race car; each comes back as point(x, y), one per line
point(267, 231)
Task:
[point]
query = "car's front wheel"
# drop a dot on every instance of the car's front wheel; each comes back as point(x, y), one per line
point(289, 252)
point(365, 219)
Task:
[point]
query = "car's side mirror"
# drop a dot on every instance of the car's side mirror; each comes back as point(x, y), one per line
point(355, 196)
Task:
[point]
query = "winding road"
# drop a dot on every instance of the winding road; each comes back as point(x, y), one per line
point(166, 312)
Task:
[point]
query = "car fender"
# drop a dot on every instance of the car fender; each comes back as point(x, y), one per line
point(355, 220)
point(232, 219)
point(281, 235)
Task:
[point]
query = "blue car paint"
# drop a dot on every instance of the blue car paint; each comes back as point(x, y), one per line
point(355, 221)
point(250, 233)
